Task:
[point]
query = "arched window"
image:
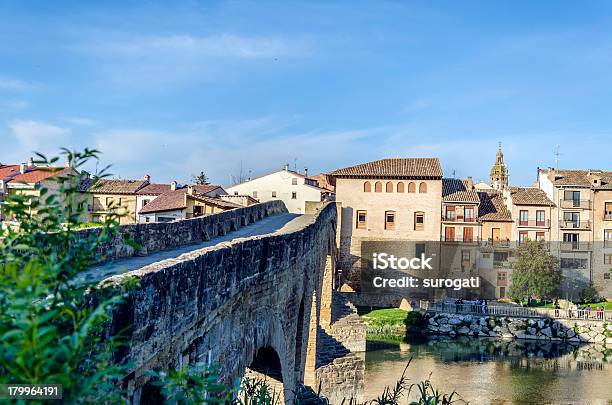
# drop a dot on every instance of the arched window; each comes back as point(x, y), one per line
point(389, 187)
point(423, 187)
point(367, 187)
point(411, 187)
point(378, 187)
point(400, 187)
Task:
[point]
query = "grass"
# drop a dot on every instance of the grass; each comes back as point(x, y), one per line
point(382, 316)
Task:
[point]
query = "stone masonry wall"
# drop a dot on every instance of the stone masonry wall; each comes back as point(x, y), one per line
point(224, 303)
point(520, 328)
point(153, 237)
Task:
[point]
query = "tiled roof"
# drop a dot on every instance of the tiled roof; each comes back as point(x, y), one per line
point(154, 189)
point(205, 188)
point(529, 196)
point(110, 186)
point(8, 171)
point(492, 207)
point(38, 173)
point(325, 181)
point(176, 200)
point(456, 190)
point(580, 177)
point(394, 168)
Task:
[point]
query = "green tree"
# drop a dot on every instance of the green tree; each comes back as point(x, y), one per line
point(534, 273)
point(201, 179)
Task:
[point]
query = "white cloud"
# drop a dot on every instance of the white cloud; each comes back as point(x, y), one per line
point(8, 83)
point(36, 136)
point(80, 121)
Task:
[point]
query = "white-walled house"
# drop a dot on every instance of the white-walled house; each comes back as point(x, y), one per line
point(293, 188)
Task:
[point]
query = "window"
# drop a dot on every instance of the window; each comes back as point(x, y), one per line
point(109, 201)
point(540, 215)
point(389, 187)
point(419, 221)
point(465, 255)
point(607, 237)
point(378, 187)
point(608, 210)
point(573, 196)
point(607, 259)
point(571, 219)
point(523, 217)
point(540, 236)
point(400, 188)
point(293, 195)
point(571, 238)
point(294, 181)
point(367, 187)
point(468, 234)
point(419, 249)
point(469, 214)
point(411, 187)
point(573, 263)
point(235, 193)
point(423, 187)
point(390, 220)
point(254, 194)
point(495, 233)
point(450, 213)
point(449, 234)
point(523, 236)
point(362, 217)
point(145, 202)
point(147, 219)
point(120, 201)
point(500, 256)
point(274, 194)
point(606, 276)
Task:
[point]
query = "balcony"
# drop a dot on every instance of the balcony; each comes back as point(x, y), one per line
point(575, 246)
point(534, 223)
point(608, 216)
point(584, 204)
point(570, 224)
point(460, 239)
point(497, 243)
point(455, 218)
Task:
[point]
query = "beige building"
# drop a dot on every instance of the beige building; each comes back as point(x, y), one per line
point(383, 200)
point(532, 212)
point(582, 226)
point(110, 195)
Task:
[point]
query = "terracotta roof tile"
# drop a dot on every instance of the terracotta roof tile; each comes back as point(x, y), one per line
point(580, 177)
point(8, 171)
point(176, 200)
point(112, 186)
point(393, 168)
point(529, 196)
point(456, 190)
point(205, 188)
point(325, 181)
point(39, 173)
point(154, 189)
point(493, 208)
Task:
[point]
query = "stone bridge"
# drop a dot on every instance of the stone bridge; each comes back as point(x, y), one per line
point(249, 290)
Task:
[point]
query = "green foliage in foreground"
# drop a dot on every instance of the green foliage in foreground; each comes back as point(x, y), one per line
point(535, 273)
point(51, 330)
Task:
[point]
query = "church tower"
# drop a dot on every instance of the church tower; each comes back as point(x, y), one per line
point(499, 171)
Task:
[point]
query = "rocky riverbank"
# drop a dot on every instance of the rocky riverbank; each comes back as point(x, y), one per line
point(520, 328)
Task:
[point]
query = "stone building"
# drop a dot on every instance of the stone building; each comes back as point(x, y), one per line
point(499, 171)
point(386, 200)
point(582, 226)
point(111, 195)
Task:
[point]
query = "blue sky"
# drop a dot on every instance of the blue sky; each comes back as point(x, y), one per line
point(173, 88)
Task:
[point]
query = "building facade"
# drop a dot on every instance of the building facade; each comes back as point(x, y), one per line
point(293, 188)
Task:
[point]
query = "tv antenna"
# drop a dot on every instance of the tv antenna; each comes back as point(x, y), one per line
point(557, 155)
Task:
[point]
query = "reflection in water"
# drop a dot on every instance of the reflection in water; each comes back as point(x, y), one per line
point(486, 371)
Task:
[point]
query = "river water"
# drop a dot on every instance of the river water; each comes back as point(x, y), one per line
point(485, 371)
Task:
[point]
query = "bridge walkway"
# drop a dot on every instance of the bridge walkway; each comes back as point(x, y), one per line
point(282, 223)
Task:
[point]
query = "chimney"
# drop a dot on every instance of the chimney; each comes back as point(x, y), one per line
point(306, 171)
point(286, 167)
point(68, 161)
point(31, 162)
point(173, 186)
point(470, 183)
point(147, 178)
point(190, 190)
point(552, 174)
point(22, 168)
